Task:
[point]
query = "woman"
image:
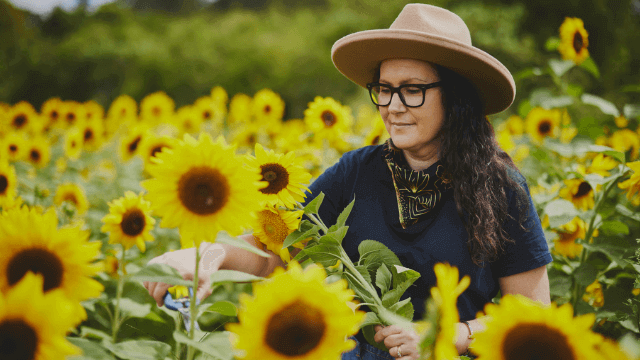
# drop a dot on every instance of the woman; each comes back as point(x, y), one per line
point(440, 190)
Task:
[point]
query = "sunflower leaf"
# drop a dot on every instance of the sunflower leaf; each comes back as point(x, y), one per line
point(369, 333)
point(631, 111)
point(335, 236)
point(374, 253)
point(160, 273)
point(314, 205)
point(326, 254)
point(590, 65)
point(403, 308)
point(223, 307)
point(560, 67)
point(605, 106)
point(560, 212)
point(342, 218)
point(618, 155)
point(224, 238)
point(139, 349)
point(221, 276)
point(364, 272)
point(300, 235)
point(394, 295)
point(216, 344)
point(383, 278)
point(91, 350)
point(370, 318)
point(628, 213)
point(585, 274)
point(402, 274)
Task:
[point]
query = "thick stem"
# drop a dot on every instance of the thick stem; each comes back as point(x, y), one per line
point(116, 316)
point(194, 307)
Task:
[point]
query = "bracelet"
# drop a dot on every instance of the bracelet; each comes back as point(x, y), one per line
point(470, 331)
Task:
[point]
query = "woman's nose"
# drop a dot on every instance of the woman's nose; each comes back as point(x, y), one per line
point(396, 104)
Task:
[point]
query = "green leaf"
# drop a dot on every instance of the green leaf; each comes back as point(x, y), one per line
point(402, 274)
point(527, 73)
point(301, 234)
point(160, 273)
point(630, 88)
point(552, 43)
point(226, 308)
point(369, 333)
point(560, 67)
point(575, 90)
point(87, 332)
point(618, 155)
point(374, 253)
point(585, 274)
point(91, 350)
point(559, 283)
point(221, 276)
point(614, 227)
point(383, 278)
point(590, 65)
point(314, 205)
point(370, 318)
point(628, 213)
point(394, 295)
point(342, 218)
point(133, 308)
point(326, 254)
point(139, 349)
point(524, 107)
point(403, 308)
point(605, 106)
point(614, 252)
point(364, 272)
point(556, 102)
point(216, 344)
point(335, 236)
point(560, 212)
point(631, 111)
point(224, 238)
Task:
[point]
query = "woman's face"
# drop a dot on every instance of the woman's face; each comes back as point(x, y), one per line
point(414, 129)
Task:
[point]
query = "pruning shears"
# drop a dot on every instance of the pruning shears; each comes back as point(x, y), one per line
point(182, 305)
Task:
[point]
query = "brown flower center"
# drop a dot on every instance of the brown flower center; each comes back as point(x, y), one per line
point(583, 189)
point(133, 222)
point(13, 148)
point(206, 115)
point(295, 330)
point(4, 184)
point(156, 150)
point(70, 197)
point(544, 127)
point(535, 342)
point(273, 226)
point(375, 140)
point(276, 175)
point(267, 109)
point(134, 144)
point(123, 112)
point(203, 190)
point(578, 42)
point(88, 135)
point(34, 155)
point(18, 340)
point(71, 117)
point(39, 261)
point(54, 115)
point(156, 111)
point(19, 121)
point(329, 118)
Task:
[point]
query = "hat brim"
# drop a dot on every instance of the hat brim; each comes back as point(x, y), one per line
point(358, 55)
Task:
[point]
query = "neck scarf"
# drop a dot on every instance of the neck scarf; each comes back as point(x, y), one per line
point(418, 192)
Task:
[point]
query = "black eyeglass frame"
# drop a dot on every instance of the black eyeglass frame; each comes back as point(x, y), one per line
point(394, 90)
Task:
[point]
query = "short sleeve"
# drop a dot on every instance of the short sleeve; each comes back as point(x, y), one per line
point(529, 249)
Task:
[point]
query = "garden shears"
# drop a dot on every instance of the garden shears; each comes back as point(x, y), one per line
point(182, 305)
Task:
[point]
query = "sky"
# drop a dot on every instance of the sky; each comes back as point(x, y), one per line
point(44, 7)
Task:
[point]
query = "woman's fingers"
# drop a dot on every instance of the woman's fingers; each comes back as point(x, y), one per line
point(386, 331)
point(159, 292)
point(394, 340)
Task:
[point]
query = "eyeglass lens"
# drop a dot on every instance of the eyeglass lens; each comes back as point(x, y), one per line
point(381, 95)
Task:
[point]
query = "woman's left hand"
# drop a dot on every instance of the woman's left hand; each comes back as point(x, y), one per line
point(396, 337)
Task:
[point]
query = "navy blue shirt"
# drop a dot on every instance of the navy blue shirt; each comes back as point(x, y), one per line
point(438, 237)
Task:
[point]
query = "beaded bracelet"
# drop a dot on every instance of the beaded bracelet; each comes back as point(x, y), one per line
point(470, 331)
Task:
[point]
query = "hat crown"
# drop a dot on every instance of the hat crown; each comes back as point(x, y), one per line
point(432, 20)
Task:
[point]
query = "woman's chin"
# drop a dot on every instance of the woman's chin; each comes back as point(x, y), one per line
point(403, 142)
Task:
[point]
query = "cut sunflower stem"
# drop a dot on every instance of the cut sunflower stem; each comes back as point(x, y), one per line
point(193, 306)
point(116, 316)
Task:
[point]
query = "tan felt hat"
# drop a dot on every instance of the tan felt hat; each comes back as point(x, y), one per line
point(432, 34)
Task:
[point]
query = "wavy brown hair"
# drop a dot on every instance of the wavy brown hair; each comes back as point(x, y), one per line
point(479, 169)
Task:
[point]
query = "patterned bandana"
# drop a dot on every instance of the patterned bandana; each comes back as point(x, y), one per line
point(418, 192)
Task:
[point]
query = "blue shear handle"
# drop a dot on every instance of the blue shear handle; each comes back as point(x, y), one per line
point(172, 304)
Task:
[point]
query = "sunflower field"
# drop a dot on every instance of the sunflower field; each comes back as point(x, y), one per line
point(91, 193)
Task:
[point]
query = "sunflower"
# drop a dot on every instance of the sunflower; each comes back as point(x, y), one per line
point(124, 109)
point(633, 183)
point(38, 151)
point(129, 221)
point(295, 314)
point(593, 294)
point(92, 134)
point(621, 121)
point(72, 113)
point(579, 192)
point(23, 117)
point(601, 165)
point(240, 109)
point(625, 140)
point(73, 142)
point(220, 97)
point(268, 107)
point(515, 125)
point(568, 233)
point(130, 143)
point(292, 136)
point(8, 182)
point(152, 145)
point(248, 135)
point(273, 226)
point(505, 140)
point(14, 145)
point(50, 112)
point(520, 327)
point(445, 295)
point(32, 242)
point(33, 325)
point(208, 110)
point(543, 123)
point(327, 118)
point(156, 108)
point(201, 187)
point(284, 174)
point(610, 350)
point(378, 133)
point(94, 111)
point(73, 194)
point(574, 40)
point(188, 120)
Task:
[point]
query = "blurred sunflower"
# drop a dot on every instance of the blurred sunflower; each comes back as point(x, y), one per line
point(291, 136)
point(574, 40)
point(156, 108)
point(23, 117)
point(73, 143)
point(50, 112)
point(8, 183)
point(514, 125)
point(593, 294)
point(565, 244)
point(610, 350)
point(208, 110)
point(129, 221)
point(32, 242)
point(445, 295)
point(632, 185)
point(521, 326)
point(284, 175)
point(220, 97)
point(72, 113)
point(542, 123)
point(187, 120)
point(505, 141)
point(201, 187)
point(151, 145)
point(94, 111)
point(327, 118)
point(626, 140)
point(601, 165)
point(248, 135)
point(130, 143)
point(579, 192)
point(295, 314)
point(73, 194)
point(34, 325)
point(92, 134)
point(15, 146)
point(240, 109)
point(268, 107)
point(273, 226)
point(378, 133)
point(38, 151)
point(124, 109)
point(621, 121)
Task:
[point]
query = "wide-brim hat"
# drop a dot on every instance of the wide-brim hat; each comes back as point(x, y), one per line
point(429, 33)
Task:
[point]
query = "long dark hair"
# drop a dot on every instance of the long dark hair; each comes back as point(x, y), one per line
point(480, 171)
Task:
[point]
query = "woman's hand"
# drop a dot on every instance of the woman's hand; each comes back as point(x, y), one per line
point(463, 341)
point(396, 337)
point(211, 258)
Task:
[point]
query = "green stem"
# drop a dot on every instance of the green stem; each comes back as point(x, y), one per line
point(194, 307)
point(319, 222)
point(116, 315)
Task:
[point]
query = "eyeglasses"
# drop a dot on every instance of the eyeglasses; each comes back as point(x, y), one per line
point(411, 95)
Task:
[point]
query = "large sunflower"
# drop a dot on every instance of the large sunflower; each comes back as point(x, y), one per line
point(156, 108)
point(38, 151)
point(520, 328)
point(33, 325)
point(8, 183)
point(32, 241)
point(73, 194)
point(285, 177)
point(129, 221)
point(201, 187)
point(268, 107)
point(295, 314)
point(14, 145)
point(542, 123)
point(574, 40)
point(327, 118)
point(273, 226)
point(579, 192)
point(73, 141)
